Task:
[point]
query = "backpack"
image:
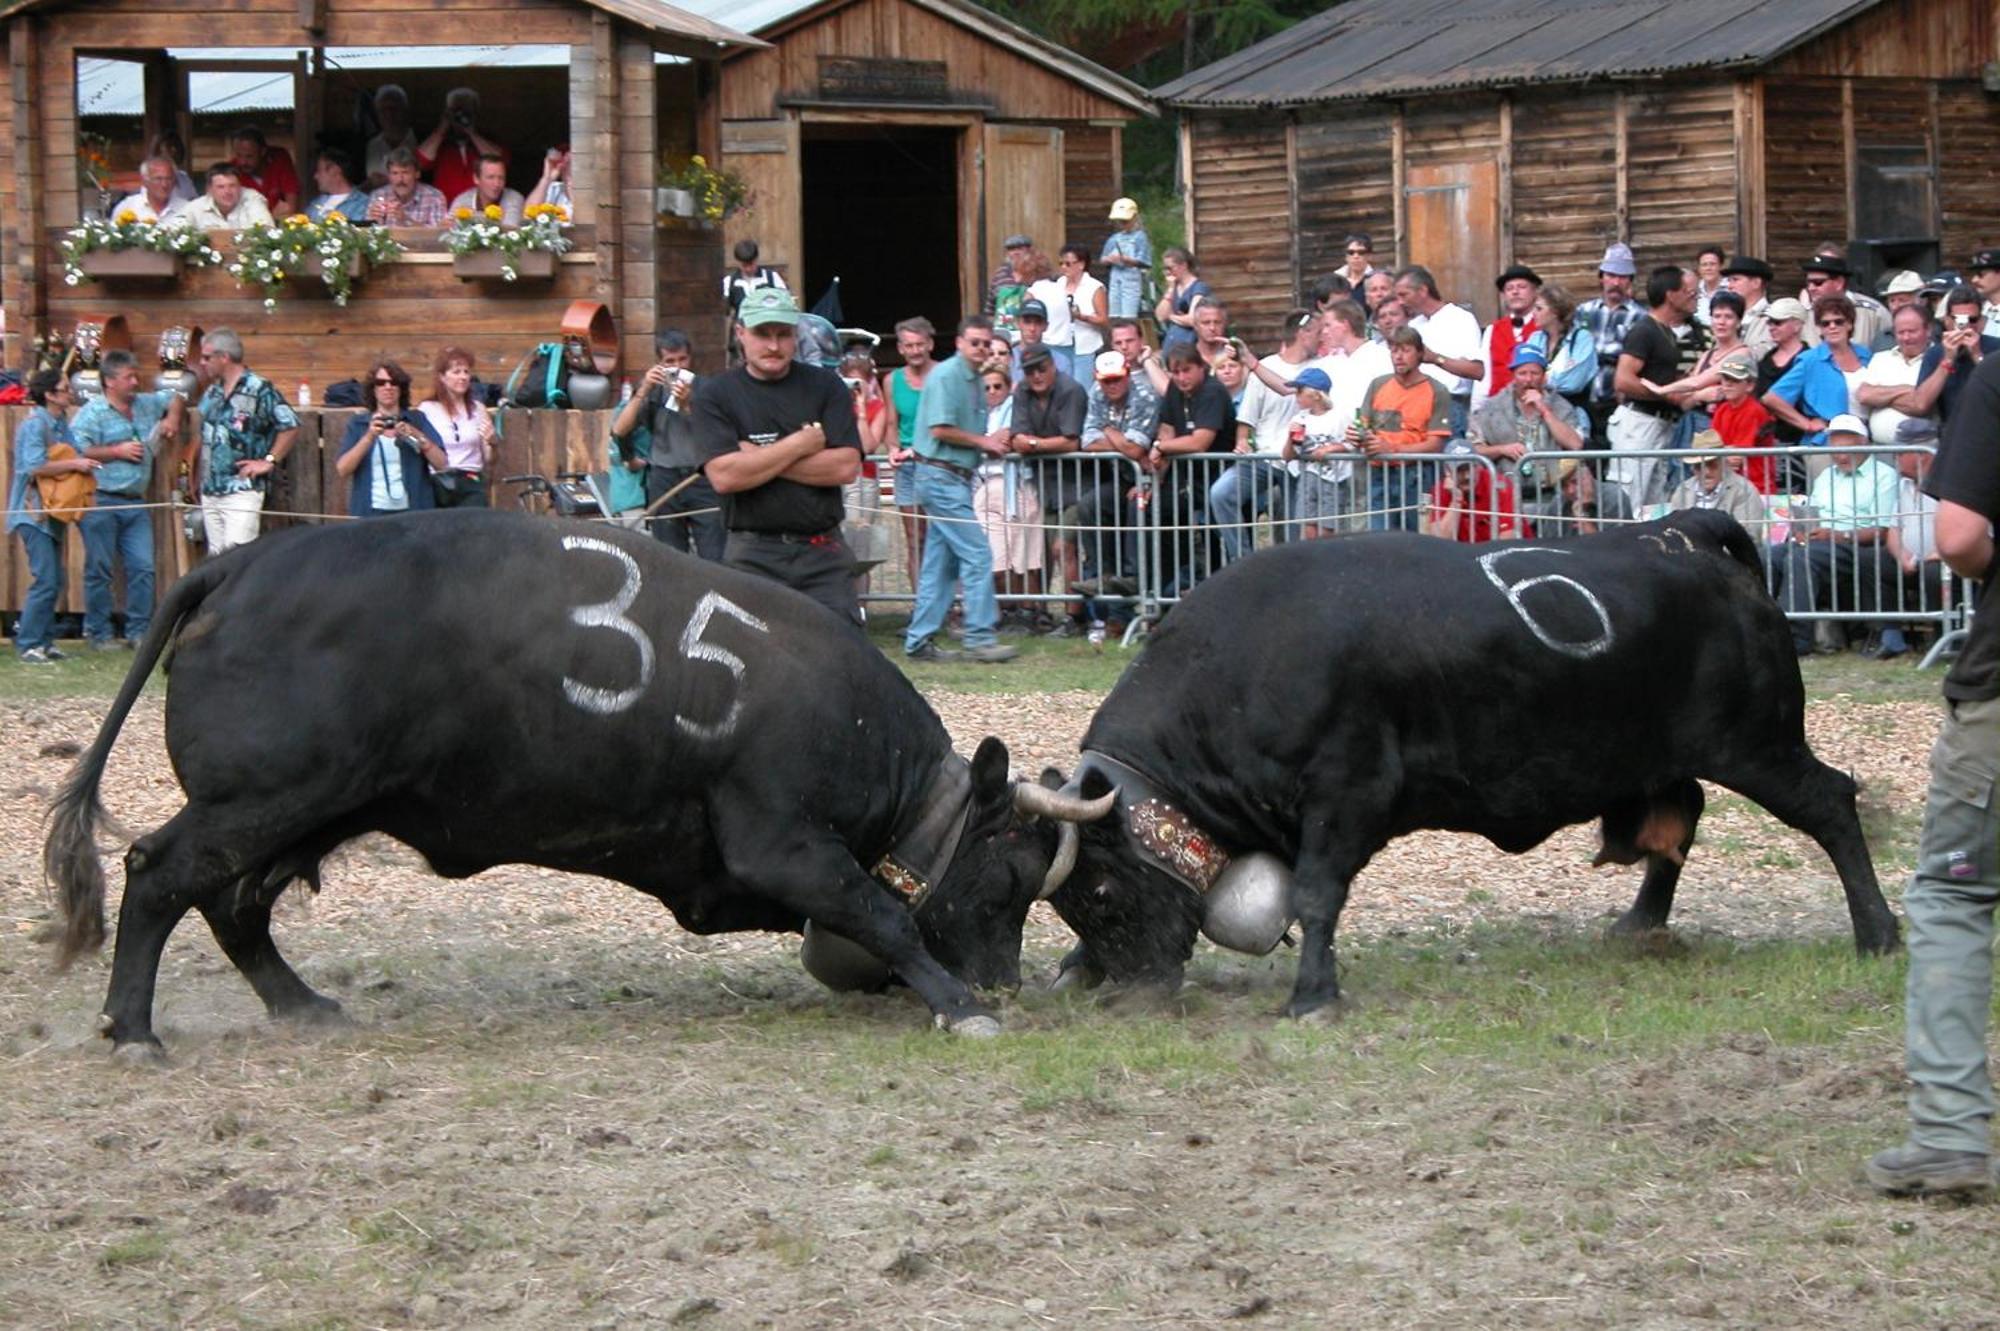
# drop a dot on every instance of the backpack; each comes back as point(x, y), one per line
point(540, 379)
point(346, 393)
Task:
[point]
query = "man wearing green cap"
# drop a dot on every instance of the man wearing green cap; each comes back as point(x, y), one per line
point(780, 441)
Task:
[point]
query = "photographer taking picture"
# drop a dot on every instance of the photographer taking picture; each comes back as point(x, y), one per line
point(1952, 358)
point(451, 154)
point(389, 451)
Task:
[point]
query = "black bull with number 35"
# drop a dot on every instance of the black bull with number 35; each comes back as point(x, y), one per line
point(1305, 706)
point(491, 688)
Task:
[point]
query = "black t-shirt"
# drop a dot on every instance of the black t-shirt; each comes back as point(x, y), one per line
point(732, 407)
point(1659, 354)
point(1768, 373)
point(1967, 472)
point(1209, 409)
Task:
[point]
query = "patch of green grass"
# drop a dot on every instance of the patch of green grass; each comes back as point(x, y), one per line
point(1869, 681)
point(86, 674)
point(881, 1155)
point(1045, 665)
point(139, 1250)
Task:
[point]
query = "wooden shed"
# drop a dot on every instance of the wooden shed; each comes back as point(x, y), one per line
point(895, 143)
point(622, 82)
point(1476, 133)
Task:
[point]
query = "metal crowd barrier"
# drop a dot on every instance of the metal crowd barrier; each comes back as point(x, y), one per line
point(1096, 535)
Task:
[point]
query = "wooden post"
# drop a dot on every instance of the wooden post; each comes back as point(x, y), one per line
point(1849, 157)
point(604, 141)
point(1188, 182)
point(1398, 181)
point(1506, 191)
point(1750, 166)
point(1623, 207)
point(1292, 203)
point(25, 287)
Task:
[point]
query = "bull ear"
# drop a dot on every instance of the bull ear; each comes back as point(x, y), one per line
point(991, 779)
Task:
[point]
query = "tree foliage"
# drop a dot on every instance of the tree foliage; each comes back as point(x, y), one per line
point(1160, 39)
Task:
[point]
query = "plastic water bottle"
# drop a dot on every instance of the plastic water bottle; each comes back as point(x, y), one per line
point(624, 391)
point(1096, 634)
point(305, 394)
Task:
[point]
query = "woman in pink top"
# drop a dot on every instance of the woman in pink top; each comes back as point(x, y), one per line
point(465, 429)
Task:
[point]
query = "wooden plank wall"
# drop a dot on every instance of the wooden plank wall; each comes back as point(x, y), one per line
point(1463, 129)
point(1239, 200)
point(1968, 127)
point(1344, 184)
point(1680, 161)
point(982, 71)
point(1091, 180)
point(1925, 39)
point(1805, 156)
point(544, 442)
point(1565, 185)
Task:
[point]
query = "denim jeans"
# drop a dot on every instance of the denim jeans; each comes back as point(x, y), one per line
point(1397, 493)
point(38, 611)
point(119, 528)
point(955, 550)
point(1269, 486)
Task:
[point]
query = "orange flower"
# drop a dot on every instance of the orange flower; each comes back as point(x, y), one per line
point(126, 217)
point(462, 214)
point(492, 211)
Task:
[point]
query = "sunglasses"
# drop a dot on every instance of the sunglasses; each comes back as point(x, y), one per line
point(1817, 281)
point(1833, 323)
point(387, 383)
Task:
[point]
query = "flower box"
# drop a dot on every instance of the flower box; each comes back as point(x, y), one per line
point(487, 264)
point(674, 202)
point(101, 264)
point(312, 268)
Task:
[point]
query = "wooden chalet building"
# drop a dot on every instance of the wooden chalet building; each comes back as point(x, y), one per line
point(896, 143)
point(1476, 133)
point(621, 81)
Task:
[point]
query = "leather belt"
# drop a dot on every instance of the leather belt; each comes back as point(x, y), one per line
point(963, 473)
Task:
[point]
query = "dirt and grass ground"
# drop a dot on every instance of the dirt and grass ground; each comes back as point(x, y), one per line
point(554, 1109)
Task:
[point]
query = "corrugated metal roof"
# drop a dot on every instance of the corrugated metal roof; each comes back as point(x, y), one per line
point(1395, 48)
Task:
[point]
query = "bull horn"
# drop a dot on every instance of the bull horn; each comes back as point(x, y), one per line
point(1032, 798)
point(1065, 860)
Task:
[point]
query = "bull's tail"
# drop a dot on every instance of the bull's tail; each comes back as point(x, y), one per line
point(69, 855)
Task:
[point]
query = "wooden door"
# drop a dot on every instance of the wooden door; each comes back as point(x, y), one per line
point(766, 154)
point(1023, 191)
point(1453, 212)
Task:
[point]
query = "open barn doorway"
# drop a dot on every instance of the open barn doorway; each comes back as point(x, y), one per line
point(879, 210)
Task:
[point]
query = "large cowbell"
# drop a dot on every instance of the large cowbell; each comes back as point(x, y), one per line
point(1250, 907)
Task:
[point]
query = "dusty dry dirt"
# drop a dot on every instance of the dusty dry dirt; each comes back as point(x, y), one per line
point(553, 1108)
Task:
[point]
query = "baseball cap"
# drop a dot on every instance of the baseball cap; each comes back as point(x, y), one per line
point(768, 305)
point(1039, 354)
point(1846, 423)
point(1528, 355)
point(1785, 307)
point(1737, 365)
point(1617, 261)
point(1032, 309)
point(1111, 365)
point(1017, 241)
point(1314, 378)
point(1124, 210)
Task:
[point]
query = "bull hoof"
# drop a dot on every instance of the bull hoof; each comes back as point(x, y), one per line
point(323, 1013)
point(140, 1053)
point(978, 1026)
point(1143, 996)
point(1076, 978)
point(1634, 925)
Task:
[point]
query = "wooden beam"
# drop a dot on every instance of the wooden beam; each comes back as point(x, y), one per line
point(1936, 142)
point(1849, 156)
point(1292, 203)
point(1398, 181)
point(1622, 208)
point(26, 286)
point(604, 140)
point(1506, 184)
point(312, 16)
point(1186, 172)
point(1118, 154)
point(1750, 166)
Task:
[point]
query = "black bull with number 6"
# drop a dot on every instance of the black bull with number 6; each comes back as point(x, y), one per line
point(491, 688)
point(1306, 705)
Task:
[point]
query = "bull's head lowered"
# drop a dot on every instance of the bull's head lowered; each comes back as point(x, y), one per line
point(1004, 844)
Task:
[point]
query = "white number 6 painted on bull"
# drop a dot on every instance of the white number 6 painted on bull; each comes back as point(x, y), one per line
point(1513, 591)
point(610, 615)
point(694, 649)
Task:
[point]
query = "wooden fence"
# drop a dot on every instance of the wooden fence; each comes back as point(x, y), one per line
point(544, 442)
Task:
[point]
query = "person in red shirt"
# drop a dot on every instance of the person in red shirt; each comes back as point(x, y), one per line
point(266, 169)
point(1742, 421)
point(451, 153)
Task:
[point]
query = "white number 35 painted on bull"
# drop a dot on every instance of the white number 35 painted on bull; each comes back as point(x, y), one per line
point(611, 615)
point(1513, 591)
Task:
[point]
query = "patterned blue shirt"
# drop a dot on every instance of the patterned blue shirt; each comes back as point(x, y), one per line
point(1607, 329)
point(31, 450)
point(1126, 286)
point(240, 426)
point(99, 425)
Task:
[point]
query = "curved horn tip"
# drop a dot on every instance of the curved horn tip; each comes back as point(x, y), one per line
point(1030, 797)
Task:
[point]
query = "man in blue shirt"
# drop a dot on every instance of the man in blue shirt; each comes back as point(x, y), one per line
point(41, 535)
point(247, 428)
point(122, 431)
point(950, 437)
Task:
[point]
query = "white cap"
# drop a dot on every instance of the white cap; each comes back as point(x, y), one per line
point(1110, 365)
point(1846, 423)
